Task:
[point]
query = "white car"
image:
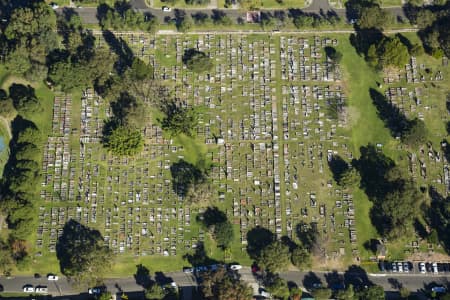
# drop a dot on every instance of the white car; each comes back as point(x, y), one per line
point(52, 277)
point(54, 5)
point(95, 291)
point(41, 289)
point(422, 268)
point(28, 289)
point(166, 9)
point(235, 267)
point(435, 268)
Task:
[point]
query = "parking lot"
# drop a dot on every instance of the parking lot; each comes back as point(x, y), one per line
point(423, 267)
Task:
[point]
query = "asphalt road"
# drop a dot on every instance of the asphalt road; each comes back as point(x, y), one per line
point(63, 288)
point(89, 14)
point(390, 282)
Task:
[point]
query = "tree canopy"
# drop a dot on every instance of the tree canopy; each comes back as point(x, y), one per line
point(274, 257)
point(220, 285)
point(197, 61)
point(123, 17)
point(301, 258)
point(180, 119)
point(82, 255)
point(123, 141)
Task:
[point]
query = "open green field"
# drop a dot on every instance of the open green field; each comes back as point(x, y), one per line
point(266, 97)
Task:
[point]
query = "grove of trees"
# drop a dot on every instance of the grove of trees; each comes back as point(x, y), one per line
point(123, 17)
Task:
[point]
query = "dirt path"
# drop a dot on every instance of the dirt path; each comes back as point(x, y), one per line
point(7, 126)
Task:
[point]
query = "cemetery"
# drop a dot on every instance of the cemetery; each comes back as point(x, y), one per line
point(264, 127)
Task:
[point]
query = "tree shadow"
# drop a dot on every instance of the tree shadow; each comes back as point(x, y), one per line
point(257, 239)
point(288, 242)
point(212, 216)
point(356, 276)
point(307, 234)
point(333, 279)
point(121, 48)
point(19, 92)
point(218, 15)
point(162, 279)
point(199, 257)
point(420, 229)
point(184, 175)
point(338, 167)
point(395, 284)
point(310, 280)
point(445, 145)
point(405, 41)
point(364, 38)
point(371, 245)
point(142, 276)
point(438, 215)
point(390, 114)
point(373, 166)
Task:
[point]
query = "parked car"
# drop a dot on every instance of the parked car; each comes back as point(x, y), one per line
point(317, 285)
point(439, 289)
point(382, 266)
point(422, 268)
point(406, 267)
point(235, 267)
point(394, 267)
point(95, 291)
point(400, 267)
point(1, 288)
point(41, 289)
point(166, 8)
point(54, 5)
point(435, 268)
point(188, 270)
point(52, 277)
point(28, 288)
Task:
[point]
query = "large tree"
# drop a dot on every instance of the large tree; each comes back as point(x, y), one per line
point(224, 233)
point(393, 52)
point(197, 61)
point(301, 258)
point(374, 292)
point(82, 255)
point(123, 141)
point(180, 119)
point(31, 35)
point(221, 285)
point(274, 257)
point(321, 293)
point(415, 134)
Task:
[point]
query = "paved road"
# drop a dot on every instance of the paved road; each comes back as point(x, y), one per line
point(391, 282)
point(63, 288)
point(89, 14)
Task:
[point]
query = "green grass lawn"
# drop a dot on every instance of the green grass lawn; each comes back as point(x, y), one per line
point(363, 127)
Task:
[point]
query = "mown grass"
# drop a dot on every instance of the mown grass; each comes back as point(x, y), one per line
point(364, 127)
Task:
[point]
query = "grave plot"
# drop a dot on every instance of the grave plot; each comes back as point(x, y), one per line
point(416, 94)
point(267, 130)
point(274, 110)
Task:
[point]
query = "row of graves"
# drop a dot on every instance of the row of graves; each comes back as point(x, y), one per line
point(303, 59)
point(269, 140)
point(417, 92)
point(266, 178)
